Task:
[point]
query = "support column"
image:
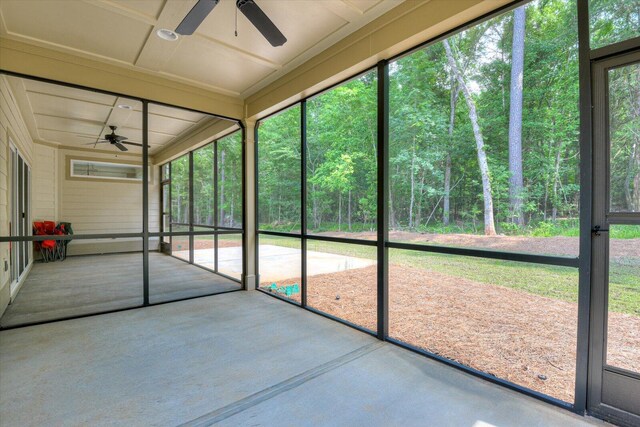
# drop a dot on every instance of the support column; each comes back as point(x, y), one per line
point(250, 205)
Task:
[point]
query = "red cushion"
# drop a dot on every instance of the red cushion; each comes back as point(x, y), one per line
point(49, 244)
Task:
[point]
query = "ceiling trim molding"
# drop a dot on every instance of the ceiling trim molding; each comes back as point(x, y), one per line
point(405, 26)
point(47, 143)
point(28, 59)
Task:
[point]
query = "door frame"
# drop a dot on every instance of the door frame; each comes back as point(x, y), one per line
point(19, 249)
point(601, 218)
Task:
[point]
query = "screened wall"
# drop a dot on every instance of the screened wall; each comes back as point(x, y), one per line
point(435, 200)
point(205, 207)
point(96, 211)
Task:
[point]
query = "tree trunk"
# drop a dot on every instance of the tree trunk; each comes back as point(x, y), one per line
point(279, 208)
point(340, 211)
point(628, 193)
point(447, 191)
point(447, 168)
point(221, 180)
point(556, 178)
point(413, 184)
point(418, 219)
point(516, 185)
point(349, 211)
point(489, 225)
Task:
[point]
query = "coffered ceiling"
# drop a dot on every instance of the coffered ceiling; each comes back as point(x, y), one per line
point(123, 32)
point(76, 118)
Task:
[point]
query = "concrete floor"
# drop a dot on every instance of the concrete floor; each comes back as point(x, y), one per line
point(97, 283)
point(239, 359)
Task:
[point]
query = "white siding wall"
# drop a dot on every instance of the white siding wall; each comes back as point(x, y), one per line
point(12, 127)
point(101, 206)
point(44, 186)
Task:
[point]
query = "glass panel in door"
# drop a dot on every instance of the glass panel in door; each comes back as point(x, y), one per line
point(615, 337)
point(623, 302)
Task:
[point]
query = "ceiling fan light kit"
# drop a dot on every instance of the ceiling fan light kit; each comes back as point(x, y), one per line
point(249, 8)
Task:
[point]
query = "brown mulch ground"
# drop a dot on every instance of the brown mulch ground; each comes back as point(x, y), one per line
point(205, 244)
point(558, 245)
point(508, 333)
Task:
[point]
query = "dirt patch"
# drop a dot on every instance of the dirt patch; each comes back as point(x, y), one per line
point(526, 339)
point(559, 245)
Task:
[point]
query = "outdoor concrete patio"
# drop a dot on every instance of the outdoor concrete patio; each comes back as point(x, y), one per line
point(239, 359)
point(276, 262)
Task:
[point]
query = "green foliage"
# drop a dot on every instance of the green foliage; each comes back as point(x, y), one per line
point(429, 129)
point(229, 184)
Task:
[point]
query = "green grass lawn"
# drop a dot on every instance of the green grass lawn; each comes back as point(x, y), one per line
point(545, 280)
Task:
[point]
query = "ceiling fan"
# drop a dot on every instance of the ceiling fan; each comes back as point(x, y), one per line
point(116, 140)
point(248, 7)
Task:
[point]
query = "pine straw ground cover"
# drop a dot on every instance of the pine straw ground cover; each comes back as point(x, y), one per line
point(509, 333)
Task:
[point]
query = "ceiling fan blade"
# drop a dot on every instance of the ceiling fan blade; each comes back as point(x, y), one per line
point(120, 146)
point(262, 22)
point(134, 143)
point(97, 142)
point(195, 16)
point(120, 138)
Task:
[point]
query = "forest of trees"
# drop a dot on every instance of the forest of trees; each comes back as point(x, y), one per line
point(484, 133)
point(229, 184)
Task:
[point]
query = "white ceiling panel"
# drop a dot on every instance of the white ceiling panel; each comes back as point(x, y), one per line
point(363, 5)
point(78, 26)
point(179, 113)
point(302, 22)
point(62, 124)
point(123, 32)
point(168, 125)
point(51, 105)
point(149, 8)
point(65, 138)
point(215, 65)
point(68, 92)
point(75, 117)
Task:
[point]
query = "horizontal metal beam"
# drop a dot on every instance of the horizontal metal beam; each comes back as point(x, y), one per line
point(628, 218)
point(280, 234)
point(65, 237)
point(194, 233)
point(614, 49)
point(41, 238)
point(483, 253)
point(350, 241)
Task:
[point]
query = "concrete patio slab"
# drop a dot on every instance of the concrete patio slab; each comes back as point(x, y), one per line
point(276, 262)
point(239, 359)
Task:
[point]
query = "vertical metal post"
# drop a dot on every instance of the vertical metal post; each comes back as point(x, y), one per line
point(303, 202)
point(191, 239)
point(586, 166)
point(383, 199)
point(216, 220)
point(256, 217)
point(145, 202)
point(170, 213)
